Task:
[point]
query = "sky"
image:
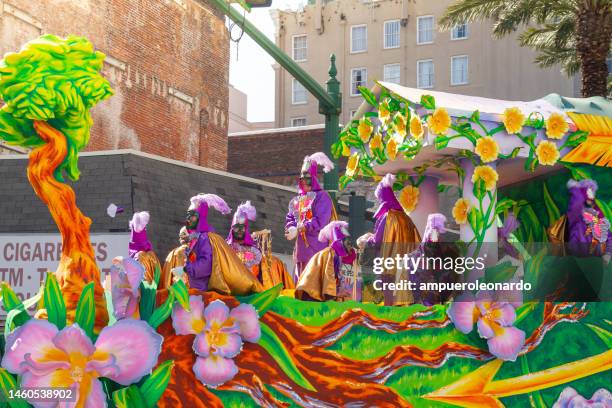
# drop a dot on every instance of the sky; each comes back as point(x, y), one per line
point(251, 67)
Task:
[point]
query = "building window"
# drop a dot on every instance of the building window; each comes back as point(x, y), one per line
point(459, 70)
point(392, 34)
point(352, 113)
point(425, 30)
point(359, 38)
point(300, 48)
point(298, 93)
point(359, 77)
point(298, 122)
point(460, 32)
point(391, 73)
point(425, 74)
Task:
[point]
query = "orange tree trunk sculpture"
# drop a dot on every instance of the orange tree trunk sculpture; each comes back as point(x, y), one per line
point(49, 87)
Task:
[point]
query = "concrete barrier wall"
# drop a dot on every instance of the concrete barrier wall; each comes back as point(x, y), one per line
point(138, 182)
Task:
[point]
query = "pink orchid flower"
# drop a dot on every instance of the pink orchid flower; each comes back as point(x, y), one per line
point(47, 357)
point(569, 398)
point(219, 336)
point(126, 275)
point(493, 320)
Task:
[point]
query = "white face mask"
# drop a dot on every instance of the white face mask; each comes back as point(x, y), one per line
point(590, 194)
point(434, 235)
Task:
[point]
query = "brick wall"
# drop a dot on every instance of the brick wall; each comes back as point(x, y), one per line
point(139, 182)
point(167, 60)
point(275, 155)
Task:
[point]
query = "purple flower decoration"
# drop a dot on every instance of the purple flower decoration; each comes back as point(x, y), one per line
point(126, 275)
point(569, 398)
point(47, 357)
point(493, 320)
point(219, 336)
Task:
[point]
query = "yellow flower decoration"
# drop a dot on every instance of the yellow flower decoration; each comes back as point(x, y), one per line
point(352, 164)
point(409, 198)
point(487, 148)
point(486, 174)
point(556, 126)
point(400, 125)
point(547, 153)
point(392, 148)
point(364, 129)
point(461, 210)
point(416, 127)
point(346, 151)
point(376, 142)
point(513, 120)
point(383, 112)
point(439, 121)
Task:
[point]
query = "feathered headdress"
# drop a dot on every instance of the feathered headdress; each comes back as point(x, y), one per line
point(319, 159)
point(139, 240)
point(211, 200)
point(139, 221)
point(435, 221)
point(244, 212)
point(334, 231)
point(385, 195)
point(584, 184)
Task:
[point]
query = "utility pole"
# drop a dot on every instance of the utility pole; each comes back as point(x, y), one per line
point(330, 100)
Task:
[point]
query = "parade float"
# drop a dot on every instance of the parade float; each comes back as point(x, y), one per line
point(135, 346)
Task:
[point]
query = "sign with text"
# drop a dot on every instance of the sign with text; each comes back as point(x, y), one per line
point(26, 258)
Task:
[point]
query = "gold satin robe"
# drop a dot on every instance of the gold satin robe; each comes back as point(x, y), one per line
point(175, 258)
point(229, 276)
point(150, 262)
point(318, 278)
point(400, 237)
point(273, 271)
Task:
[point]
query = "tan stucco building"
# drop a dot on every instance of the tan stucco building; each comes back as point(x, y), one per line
point(399, 41)
point(237, 114)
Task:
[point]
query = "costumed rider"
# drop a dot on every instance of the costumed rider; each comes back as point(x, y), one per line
point(433, 248)
point(240, 240)
point(394, 234)
point(141, 250)
point(175, 261)
point(310, 211)
point(211, 264)
point(588, 228)
point(268, 269)
point(328, 274)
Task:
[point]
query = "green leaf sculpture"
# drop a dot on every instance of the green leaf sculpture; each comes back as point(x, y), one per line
point(54, 302)
point(86, 310)
point(155, 385)
point(55, 80)
point(272, 344)
point(262, 301)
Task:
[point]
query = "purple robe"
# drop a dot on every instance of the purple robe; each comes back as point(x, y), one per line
point(579, 241)
point(321, 215)
point(199, 262)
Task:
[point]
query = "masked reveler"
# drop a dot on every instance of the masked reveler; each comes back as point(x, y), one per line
point(269, 270)
point(141, 250)
point(211, 264)
point(309, 212)
point(583, 230)
point(430, 258)
point(328, 274)
point(394, 234)
point(176, 258)
point(240, 240)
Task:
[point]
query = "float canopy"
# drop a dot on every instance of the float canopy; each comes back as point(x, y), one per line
point(590, 114)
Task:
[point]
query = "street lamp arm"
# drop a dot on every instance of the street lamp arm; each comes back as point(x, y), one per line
point(273, 50)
